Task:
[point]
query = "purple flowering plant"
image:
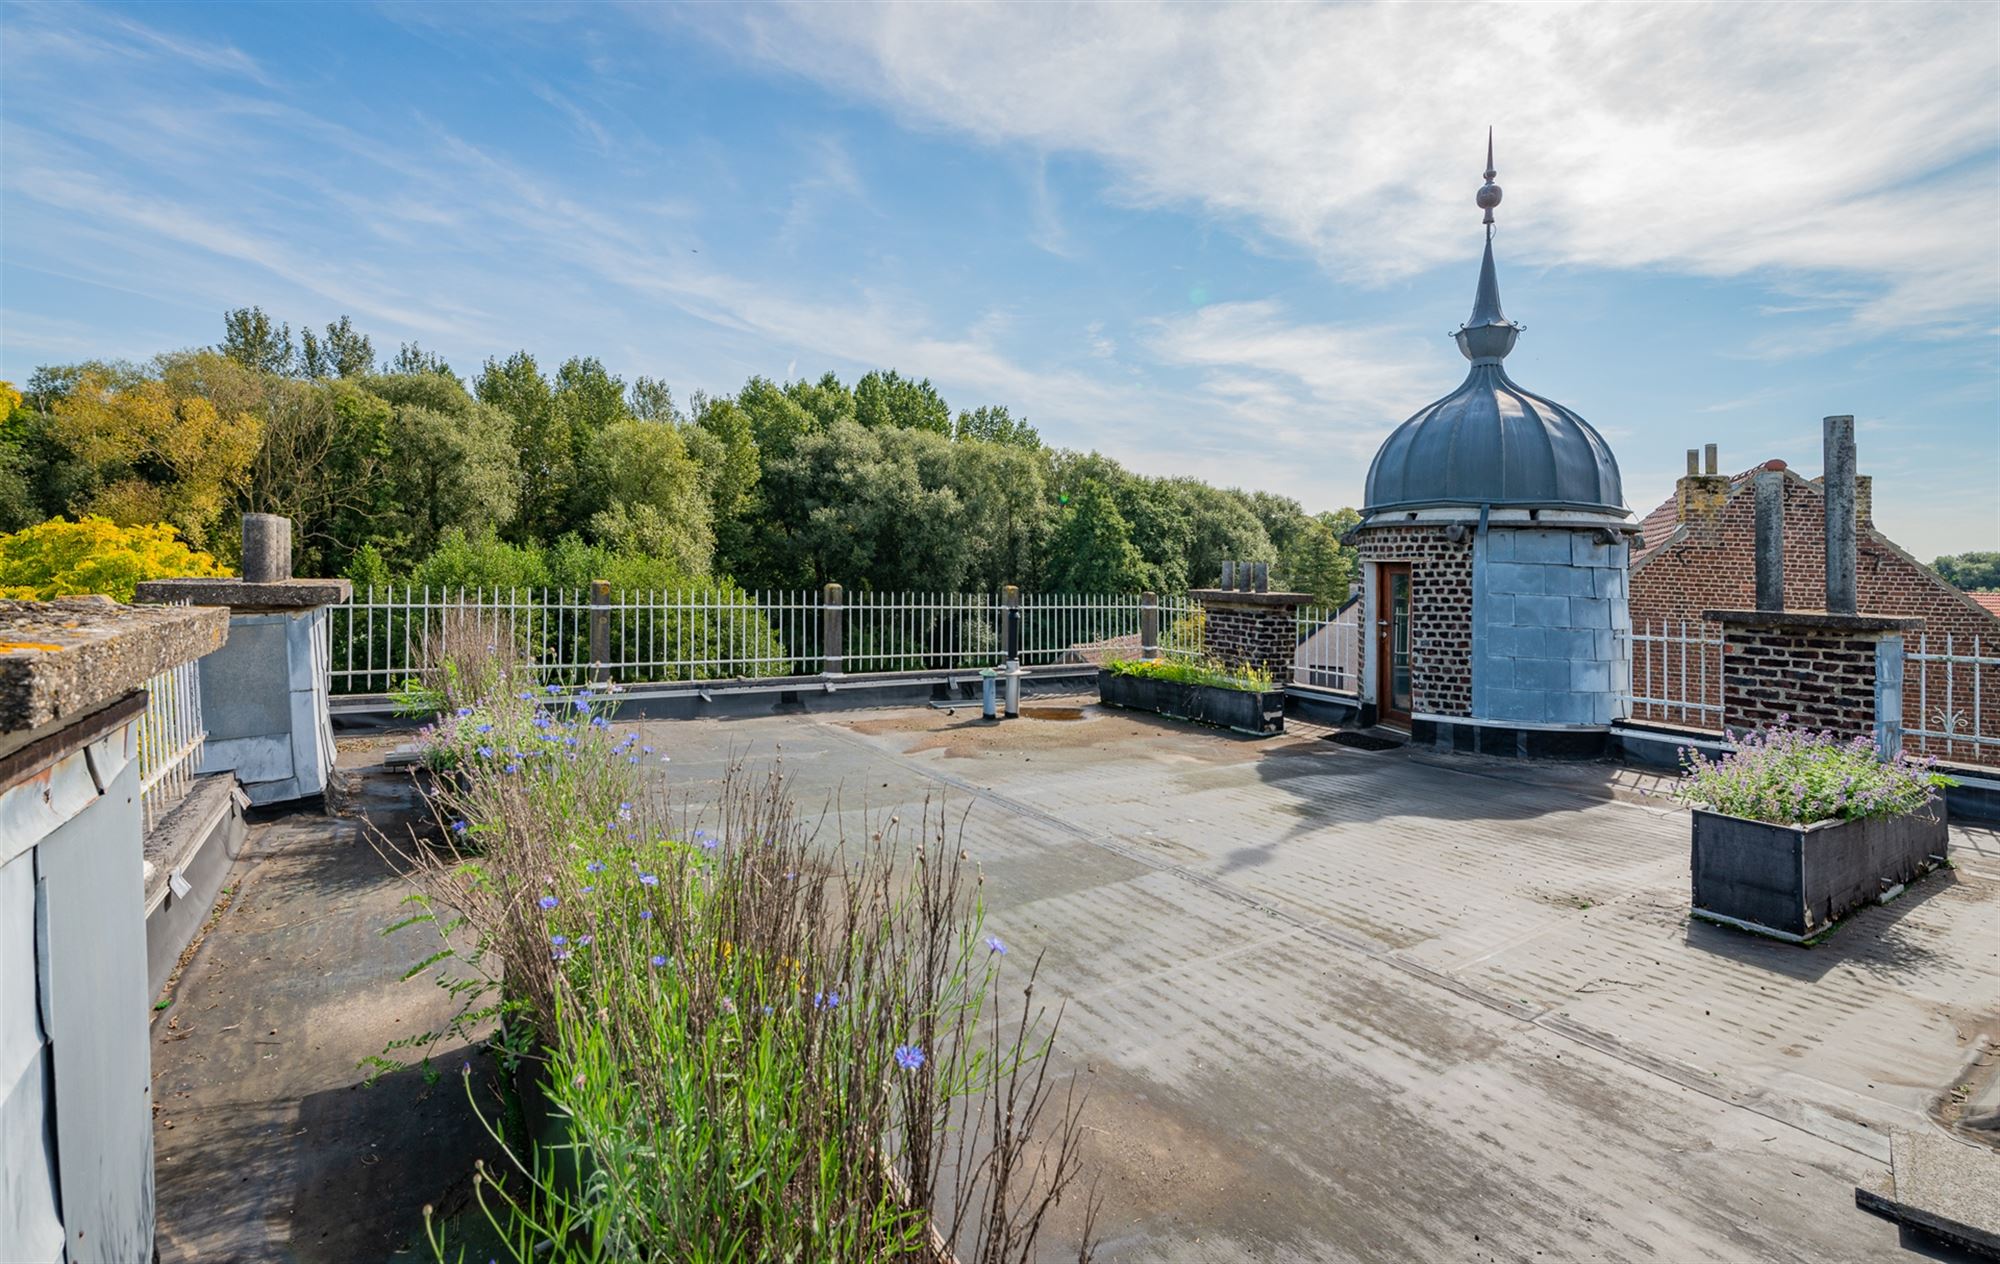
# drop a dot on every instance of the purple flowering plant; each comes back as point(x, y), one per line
point(796, 1000)
point(1791, 775)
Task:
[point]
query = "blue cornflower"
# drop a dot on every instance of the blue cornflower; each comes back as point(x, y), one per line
point(554, 689)
point(595, 866)
point(514, 767)
point(587, 890)
point(458, 827)
point(708, 842)
point(486, 752)
point(559, 954)
point(463, 712)
point(558, 940)
point(599, 722)
point(825, 1000)
point(909, 1057)
point(484, 728)
point(645, 915)
point(548, 901)
point(650, 880)
point(993, 944)
point(645, 750)
point(583, 941)
point(659, 960)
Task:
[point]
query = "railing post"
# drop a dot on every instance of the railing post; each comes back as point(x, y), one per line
point(1149, 625)
point(830, 627)
point(1011, 596)
point(600, 631)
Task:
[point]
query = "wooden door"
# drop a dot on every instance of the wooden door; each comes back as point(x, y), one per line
point(1392, 642)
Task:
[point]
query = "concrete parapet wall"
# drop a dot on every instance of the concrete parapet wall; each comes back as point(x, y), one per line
point(265, 699)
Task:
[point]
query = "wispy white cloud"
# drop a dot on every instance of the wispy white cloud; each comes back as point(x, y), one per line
point(1045, 223)
point(1329, 386)
point(829, 173)
point(1787, 140)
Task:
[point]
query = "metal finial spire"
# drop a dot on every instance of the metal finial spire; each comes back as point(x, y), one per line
point(1489, 335)
point(1489, 193)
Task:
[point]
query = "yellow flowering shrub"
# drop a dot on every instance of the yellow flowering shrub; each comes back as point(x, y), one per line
point(59, 558)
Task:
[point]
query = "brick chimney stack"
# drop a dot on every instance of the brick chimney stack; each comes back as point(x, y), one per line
point(1701, 493)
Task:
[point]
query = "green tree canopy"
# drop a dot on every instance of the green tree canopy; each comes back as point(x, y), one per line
point(883, 400)
point(992, 423)
point(1970, 572)
point(1092, 550)
point(250, 338)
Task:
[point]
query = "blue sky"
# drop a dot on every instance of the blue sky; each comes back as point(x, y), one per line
point(1226, 242)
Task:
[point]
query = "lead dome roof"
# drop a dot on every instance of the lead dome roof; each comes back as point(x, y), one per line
point(1492, 442)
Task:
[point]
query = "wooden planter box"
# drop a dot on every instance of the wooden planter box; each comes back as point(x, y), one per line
point(1794, 881)
point(1259, 714)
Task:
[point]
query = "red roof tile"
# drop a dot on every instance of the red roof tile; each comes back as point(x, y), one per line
point(1990, 600)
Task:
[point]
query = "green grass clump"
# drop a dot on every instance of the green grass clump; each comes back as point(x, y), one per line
point(1196, 671)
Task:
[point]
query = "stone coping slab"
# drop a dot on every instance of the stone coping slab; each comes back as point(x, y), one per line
point(1816, 619)
point(1948, 1187)
point(239, 594)
point(1239, 597)
point(61, 659)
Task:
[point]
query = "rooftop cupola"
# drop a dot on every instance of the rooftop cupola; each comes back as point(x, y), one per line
point(1491, 443)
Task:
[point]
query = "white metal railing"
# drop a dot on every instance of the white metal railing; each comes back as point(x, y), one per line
point(1945, 705)
point(1677, 673)
point(1078, 628)
point(383, 636)
point(170, 740)
point(1329, 648)
point(910, 631)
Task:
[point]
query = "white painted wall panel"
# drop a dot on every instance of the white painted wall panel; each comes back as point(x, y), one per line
point(28, 1223)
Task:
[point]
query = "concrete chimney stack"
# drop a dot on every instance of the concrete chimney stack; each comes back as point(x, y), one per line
point(1770, 493)
point(1840, 515)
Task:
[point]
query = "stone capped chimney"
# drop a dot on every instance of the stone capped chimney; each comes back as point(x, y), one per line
point(1701, 493)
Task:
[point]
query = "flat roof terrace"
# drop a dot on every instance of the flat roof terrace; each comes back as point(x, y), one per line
point(1341, 1004)
point(1328, 1004)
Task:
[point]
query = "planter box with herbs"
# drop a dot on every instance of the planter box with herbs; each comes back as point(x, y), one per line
point(1186, 691)
point(1795, 830)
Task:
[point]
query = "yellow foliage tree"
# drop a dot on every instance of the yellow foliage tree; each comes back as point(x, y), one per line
point(58, 558)
point(186, 457)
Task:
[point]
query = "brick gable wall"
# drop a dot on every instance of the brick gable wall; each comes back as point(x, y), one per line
point(1712, 567)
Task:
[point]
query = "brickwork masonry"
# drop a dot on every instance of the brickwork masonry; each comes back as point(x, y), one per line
point(1440, 611)
point(1820, 680)
point(1262, 636)
point(1707, 561)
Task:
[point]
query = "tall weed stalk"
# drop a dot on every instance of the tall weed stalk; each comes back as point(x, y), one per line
point(760, 1045)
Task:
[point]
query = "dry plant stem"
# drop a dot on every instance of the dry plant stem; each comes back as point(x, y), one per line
point(766, 1047)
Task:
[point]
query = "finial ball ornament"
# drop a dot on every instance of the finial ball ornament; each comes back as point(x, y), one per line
point(1489, 197)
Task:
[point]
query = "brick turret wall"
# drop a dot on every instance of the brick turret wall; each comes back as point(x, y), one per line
point(1440, 611)
point(1705, 560)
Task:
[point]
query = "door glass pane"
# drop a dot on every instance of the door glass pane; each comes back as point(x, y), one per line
point(1399, 641)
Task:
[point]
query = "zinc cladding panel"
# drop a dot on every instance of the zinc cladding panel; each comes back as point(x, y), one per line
point(28, 1223)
